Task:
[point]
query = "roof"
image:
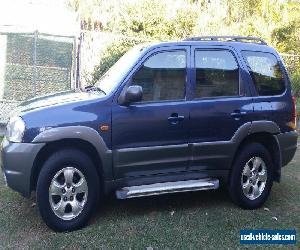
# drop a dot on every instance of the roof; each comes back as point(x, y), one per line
point(247, 39)
point(236, 42)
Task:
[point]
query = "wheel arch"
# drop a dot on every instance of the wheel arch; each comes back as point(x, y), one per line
point(83, 138)
point(54, 146)
point(270, 142)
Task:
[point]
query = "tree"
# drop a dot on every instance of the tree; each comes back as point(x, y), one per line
point(112, 54)
point(276, 21)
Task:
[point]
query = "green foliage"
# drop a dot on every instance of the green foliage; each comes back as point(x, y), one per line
point(295, 79)
point(276, 21)
point(292, 64)
point(154, 19)
point(144, 19)
point(286, 35)
point(184, 22)
point(112, 54)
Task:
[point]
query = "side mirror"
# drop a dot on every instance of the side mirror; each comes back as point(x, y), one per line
point(132, 94)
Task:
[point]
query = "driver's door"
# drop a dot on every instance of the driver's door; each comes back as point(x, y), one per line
point(150, 137)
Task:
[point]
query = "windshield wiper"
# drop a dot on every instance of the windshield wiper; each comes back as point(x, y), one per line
point(92, 88)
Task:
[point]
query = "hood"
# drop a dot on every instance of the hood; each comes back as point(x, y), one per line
point(56, 99)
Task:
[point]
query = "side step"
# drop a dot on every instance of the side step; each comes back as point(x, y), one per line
point(167, 187)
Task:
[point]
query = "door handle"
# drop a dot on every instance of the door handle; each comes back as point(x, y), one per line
point(175, 118)
point(237, 114)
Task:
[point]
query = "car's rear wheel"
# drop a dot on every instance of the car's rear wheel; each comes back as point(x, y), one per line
point(67, 190)
point(251, 177)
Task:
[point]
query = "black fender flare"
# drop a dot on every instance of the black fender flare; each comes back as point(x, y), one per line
point(264, 126)
point(256, 127)
point(250, 128)
point(84, 133)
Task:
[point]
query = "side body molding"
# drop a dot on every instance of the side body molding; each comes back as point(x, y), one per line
point(208, 149)
point(217, 154)
point(208, 155)
point(84, 133)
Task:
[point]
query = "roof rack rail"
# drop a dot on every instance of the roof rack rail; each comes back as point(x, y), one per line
point(228, 39)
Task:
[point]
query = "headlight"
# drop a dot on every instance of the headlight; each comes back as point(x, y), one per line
point(15, 129)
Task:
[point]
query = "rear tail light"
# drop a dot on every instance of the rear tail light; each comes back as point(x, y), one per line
point(293, 122)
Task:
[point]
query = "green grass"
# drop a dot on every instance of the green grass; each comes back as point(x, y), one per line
point(206, 219)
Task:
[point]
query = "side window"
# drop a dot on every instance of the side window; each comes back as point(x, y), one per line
point(162, 76)
point(265, 72)
point(217, 74)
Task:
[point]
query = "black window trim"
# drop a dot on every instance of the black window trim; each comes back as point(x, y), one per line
point(252, 81)
point(161, 101)
point(217, 97)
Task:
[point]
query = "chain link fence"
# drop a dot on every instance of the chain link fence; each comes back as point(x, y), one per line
point(33, 64)
point(292, 62)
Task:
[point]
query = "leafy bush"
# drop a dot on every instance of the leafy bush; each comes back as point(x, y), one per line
point(112, 54)
point(275, 21)
point(295, 79)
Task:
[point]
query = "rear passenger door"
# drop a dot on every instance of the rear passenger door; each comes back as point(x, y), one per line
point(220, 104)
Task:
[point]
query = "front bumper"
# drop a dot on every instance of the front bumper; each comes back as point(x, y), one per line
point(288, 146)
point(17, 162)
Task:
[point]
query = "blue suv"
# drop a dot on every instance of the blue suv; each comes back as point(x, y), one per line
point(167, 117)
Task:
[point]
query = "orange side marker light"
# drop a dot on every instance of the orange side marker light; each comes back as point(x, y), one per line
point(104, 128)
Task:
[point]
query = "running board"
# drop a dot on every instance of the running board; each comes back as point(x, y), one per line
point(167, 187)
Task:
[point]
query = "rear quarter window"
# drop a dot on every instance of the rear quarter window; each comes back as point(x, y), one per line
point(266, 73)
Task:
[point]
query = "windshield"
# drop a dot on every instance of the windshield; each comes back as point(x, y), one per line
point(109, 81)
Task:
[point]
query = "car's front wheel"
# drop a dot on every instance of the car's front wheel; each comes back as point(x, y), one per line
point(67, 190)
point(251, 177)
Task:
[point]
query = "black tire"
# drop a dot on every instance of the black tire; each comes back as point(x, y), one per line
point(55, 163)
point(235, 186)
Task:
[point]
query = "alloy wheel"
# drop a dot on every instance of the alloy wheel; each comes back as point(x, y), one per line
point(68, 193)
point(254, 178)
